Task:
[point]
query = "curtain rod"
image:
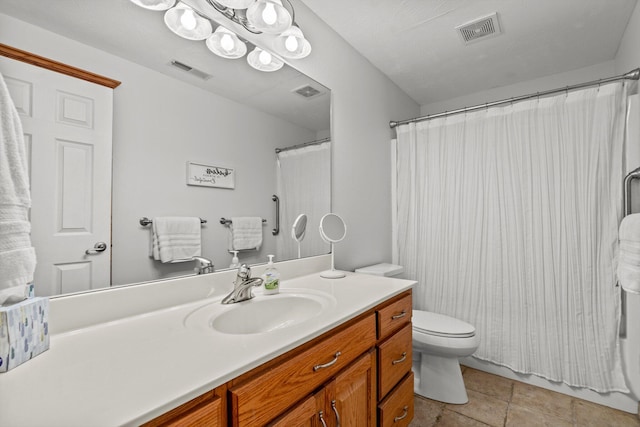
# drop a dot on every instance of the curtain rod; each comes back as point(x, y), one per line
point(293, 147)
point(631, 75)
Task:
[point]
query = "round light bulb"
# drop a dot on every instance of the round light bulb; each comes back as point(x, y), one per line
point(264, 57)
point(291, 43)
point(269, 14)
point(226, 42)
point(188, 19)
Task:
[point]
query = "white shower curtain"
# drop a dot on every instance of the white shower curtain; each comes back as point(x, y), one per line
point(508, 219)
point(304, 186)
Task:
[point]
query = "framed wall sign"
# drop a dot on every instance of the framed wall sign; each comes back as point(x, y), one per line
point(210, 176)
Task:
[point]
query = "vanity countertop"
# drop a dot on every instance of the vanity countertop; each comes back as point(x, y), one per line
point(130, 370)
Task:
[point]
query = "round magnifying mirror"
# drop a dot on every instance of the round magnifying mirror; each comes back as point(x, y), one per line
point(332, 230)
point(298, 229)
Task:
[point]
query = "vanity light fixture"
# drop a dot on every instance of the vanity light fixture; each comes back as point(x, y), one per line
point(155, 4)
point(186, 23)
point(226, 44)
point(262, 60)
point(276, 17)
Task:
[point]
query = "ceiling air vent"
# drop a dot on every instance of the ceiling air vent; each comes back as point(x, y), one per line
point(307, 91)
point(189, 69)
point(479, 29)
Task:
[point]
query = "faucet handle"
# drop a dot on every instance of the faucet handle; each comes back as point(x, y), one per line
point(244, 271)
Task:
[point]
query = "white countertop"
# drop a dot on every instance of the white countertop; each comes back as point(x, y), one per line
point(130, 370)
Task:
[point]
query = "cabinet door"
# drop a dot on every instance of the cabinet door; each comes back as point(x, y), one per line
point(307, 413)
point(351, 398)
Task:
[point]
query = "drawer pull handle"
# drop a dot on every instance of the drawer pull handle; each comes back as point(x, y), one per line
point(403, 416)
point(333, 406)
point(321, 415)
point(326, 365)
point(402, 359)
point(399, 316)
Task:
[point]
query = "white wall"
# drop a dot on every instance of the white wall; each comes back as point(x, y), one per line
point(581, 75)
point(159, 124)
point(364, 101)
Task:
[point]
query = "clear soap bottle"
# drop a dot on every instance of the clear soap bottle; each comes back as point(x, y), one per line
point(271, 278)
point(235, 262)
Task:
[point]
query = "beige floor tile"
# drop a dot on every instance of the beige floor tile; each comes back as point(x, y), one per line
point(590, 414)
point(426, 412)
point(481, 407)
point(492, 385)
point(523, 417)
point(542, 401)
point(453, 419)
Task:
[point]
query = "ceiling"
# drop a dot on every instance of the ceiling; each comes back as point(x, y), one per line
point(123, 29)
point(414, 42)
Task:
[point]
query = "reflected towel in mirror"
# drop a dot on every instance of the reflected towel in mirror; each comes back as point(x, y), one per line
point(175, 239)
point(246, 233)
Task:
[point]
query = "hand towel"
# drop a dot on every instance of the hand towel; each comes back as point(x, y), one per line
point(175, 239)
point(246, 233)
point(17, 256)
point(628, 270)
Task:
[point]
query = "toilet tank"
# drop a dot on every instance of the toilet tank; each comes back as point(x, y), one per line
point(382, 269)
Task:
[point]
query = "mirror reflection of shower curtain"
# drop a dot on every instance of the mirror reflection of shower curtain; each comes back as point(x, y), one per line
point(508, 219)
point(304, 186)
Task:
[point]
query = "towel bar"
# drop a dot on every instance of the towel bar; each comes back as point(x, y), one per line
point(144, 221)
point(225, 221)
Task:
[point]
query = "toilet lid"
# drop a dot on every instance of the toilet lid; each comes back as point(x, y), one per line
point(441, 325)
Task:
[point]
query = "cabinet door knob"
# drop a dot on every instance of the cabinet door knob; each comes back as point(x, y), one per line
point(328, 364)
point(402, 359)
point(399, 316)
point(403, 416)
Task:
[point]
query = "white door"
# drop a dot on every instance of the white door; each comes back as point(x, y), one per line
point(67, 124)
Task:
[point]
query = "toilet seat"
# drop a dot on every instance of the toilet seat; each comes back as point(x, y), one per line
point(440, 325)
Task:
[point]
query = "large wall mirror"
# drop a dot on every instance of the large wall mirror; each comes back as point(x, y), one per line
point(219, 113)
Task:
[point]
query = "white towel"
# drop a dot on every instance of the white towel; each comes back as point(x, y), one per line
point(17, 256)
point(175, 239)
point(629, 254)
point(246, 233)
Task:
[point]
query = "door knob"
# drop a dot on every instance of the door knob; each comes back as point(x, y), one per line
point(97, 248)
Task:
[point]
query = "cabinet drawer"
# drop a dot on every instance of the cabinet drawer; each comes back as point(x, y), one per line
point(394, 360)
point(394, 315)
point(260, 399)
point(397, 409)
point(207, 414)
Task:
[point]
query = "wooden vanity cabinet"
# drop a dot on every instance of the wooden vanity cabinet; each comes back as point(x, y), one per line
point(208, 409)
point(359, 372)
point(394, 348)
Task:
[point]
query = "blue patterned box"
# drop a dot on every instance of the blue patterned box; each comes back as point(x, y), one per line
point(24, 331)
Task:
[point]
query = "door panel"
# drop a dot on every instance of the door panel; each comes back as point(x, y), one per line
point(68, 129)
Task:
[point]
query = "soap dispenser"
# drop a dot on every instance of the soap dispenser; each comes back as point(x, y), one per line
point(235, 262)
point(271, 278)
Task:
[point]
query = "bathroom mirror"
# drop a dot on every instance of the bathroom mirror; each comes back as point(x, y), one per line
point(299, 229)
point(164, 117)
point(332, 230)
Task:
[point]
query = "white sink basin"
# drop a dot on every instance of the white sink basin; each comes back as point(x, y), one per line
point(262, 314)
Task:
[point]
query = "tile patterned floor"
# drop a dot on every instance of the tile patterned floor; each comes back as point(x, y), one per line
point(500, 402)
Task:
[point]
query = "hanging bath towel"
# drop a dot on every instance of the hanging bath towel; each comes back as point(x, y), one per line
point(17, 256)
point(629, 254)
point(246, 233)
point(175, 239)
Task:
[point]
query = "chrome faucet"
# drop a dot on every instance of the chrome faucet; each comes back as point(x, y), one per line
point(242, 286)
point(205, 265)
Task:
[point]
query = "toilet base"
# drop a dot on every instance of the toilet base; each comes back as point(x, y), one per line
point(439, 378)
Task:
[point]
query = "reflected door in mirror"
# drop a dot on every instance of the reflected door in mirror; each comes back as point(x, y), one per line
point(67, 125)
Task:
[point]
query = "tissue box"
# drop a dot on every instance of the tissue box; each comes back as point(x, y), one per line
point(24, 331)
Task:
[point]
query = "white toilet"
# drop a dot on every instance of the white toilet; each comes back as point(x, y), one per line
point(438, 342)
